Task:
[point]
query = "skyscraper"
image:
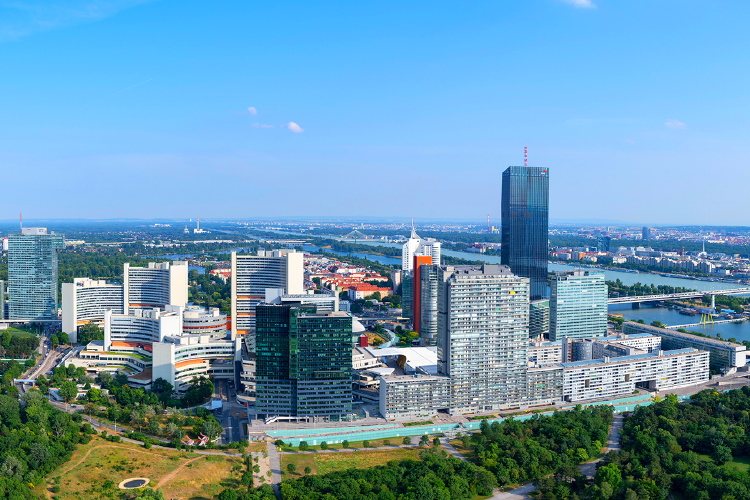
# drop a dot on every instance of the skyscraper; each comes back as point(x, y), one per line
point(578, 305)
point(303, 362)
point(483, 334)
point(253, 274)
point(157, 285)
point(646, 233)
point(525, 225)
point(32, 273)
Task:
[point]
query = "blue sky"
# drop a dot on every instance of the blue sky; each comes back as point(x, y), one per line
point(127, 108)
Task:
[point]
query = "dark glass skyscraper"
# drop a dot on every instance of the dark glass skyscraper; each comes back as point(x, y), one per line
point(304, 362)
point(525, 225)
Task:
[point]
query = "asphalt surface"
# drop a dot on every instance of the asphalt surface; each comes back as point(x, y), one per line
point(232, 414)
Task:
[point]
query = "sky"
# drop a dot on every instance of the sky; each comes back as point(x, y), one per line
point(241, 109)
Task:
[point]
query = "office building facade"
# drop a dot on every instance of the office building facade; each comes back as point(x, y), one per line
point(157, 285)
point(525, 225)
point(483, 334)
point(85, 300)
point(303, 362)
point(578, 305)
point(32, 273)
point(253, 274)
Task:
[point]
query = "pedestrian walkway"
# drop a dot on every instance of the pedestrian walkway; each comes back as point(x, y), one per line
point(588, 469)
point(275, 461)
point(450, 449)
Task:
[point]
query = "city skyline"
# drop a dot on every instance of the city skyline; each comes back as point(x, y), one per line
point(417, 91)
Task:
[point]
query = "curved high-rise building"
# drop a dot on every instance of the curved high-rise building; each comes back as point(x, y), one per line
point(85, 300)
point(158, 285)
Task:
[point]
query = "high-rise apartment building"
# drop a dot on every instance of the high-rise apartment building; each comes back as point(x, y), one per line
point(85, 300)
point(483, 335)
point(32, 273)
point(525, 225)
point(578, 305)
point(157, 285)
point(253, 274)
point(646, 233)
point(303, 362)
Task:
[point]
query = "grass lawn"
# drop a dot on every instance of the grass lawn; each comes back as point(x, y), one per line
point(374, 443)
point(323, 463)
point(97, 468)
point(741, 464)
point(19, 333)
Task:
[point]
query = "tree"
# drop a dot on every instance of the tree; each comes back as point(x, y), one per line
point(90, 332)
point(345, 443)
point(304, 446)
point(63, 337)
point(211, 427)
point(436, 441)
point(291, 467)
point(365, 444)
point(324, 445)
point(173, 431)
point(406, 440)
point(308, 469)
point(424, 440)
point(721, 455)
point(54, 341)
point(68, 390)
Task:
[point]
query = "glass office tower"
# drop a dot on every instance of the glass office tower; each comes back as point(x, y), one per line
point(303, 362)
point(32, 273)
point(525, 224)
point(578, 307)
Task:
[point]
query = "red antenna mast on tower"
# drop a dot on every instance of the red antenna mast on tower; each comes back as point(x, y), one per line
point(525, 156)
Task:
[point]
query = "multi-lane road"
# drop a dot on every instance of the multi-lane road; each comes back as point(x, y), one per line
point(232, 414)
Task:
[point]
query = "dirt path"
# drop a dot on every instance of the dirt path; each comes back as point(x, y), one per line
point(172, 474)
point(86, 455)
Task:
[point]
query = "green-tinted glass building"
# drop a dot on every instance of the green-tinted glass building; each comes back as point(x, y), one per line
point(578, 306)
point(303, 362)
point(32, 273)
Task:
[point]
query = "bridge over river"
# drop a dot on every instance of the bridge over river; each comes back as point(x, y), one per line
point(673, 296)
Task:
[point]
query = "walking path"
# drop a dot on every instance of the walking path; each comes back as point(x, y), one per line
point(450, 449)
point(275, 461)
point(588, 469)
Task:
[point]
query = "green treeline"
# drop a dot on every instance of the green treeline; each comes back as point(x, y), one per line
point(618, 289)
point(672, 450)
point(436, 476)
point(208, 290)
point(35, 439)
point(516, 452)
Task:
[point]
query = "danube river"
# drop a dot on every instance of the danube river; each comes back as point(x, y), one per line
point(740, 331)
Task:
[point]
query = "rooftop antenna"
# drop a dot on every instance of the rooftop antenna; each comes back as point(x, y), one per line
point(525, 156)
point(489, 227)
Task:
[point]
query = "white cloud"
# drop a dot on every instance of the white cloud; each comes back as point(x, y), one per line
point(252, 110)
point(587, 4)
point(261, 125)
point(294, 128)
point(674, 123)
point(20, 18)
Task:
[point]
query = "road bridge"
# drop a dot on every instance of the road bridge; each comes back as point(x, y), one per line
point(675, 296)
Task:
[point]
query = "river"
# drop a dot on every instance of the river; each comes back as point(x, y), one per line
point(740, 331)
